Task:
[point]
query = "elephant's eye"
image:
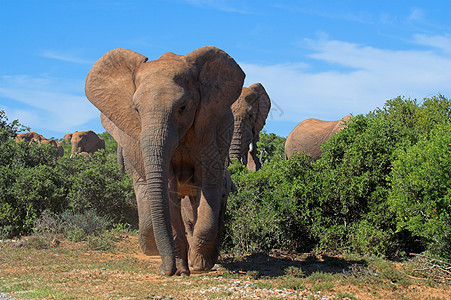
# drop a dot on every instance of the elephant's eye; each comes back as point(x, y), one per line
point(182, 109)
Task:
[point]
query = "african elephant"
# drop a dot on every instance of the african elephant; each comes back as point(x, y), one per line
point(29, 137)
point(86, 141)
point(67, 137)
point(59, 148)
point(310, 134)
point(250, 112)
point(36, 137)
point(174, 124)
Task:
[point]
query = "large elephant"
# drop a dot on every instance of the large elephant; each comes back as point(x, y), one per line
point(250, 112)
point(310, 134)
point(86, 141)
point(174, 124)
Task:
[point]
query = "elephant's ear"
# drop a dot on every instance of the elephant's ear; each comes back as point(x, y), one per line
point(110, 86)
point(221, 80)
point(264, 105)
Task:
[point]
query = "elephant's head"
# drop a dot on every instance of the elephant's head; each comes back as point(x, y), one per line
point(156, 103)
point(250, 112)
point(86, 141)
point(78, 141)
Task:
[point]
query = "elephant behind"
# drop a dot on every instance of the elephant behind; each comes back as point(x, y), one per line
point(67, 137)
point(29, 137)
point(173, 122)
point(57, 145)
point(310, 134)
point(86, 141)
point(250, 111)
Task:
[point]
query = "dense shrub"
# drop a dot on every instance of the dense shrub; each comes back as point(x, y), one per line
point(33, 180)
point(96, 183)
point(270, 146)
point(421, 189)
point(265, 212)
point(341, 201)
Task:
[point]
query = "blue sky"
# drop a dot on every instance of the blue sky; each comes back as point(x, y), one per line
point(316, 59)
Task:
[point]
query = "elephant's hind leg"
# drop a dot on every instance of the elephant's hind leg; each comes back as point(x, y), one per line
point(146, 235)
point(178, 230)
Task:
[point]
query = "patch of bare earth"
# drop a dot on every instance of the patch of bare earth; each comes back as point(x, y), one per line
point(71, 271)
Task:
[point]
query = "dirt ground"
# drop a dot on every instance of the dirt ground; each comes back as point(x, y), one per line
point(71, 271)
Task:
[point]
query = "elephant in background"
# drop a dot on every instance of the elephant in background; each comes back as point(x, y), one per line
point(59, 148)
point(310, 134)
point(29, 137)
point(67, 137)
point(86, 141)
point(173, 121)
point(250, 111)
point(36, 137)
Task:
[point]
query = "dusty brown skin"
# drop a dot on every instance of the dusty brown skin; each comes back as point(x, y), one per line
point(86, 141)
point(36, 137)
point(250, 111)
point(174, 124)
point(310, 134)
point(29, 137)
point(67, 137)
point(57, 145)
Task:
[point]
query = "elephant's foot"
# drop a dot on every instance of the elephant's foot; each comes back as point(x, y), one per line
point(202, 261)
point(182, 267)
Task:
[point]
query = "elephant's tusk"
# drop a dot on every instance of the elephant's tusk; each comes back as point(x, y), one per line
point(251, 147)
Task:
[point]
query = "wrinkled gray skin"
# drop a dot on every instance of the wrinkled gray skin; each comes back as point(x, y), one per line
point(250, 112)
point(86, 141)
point(173, 120)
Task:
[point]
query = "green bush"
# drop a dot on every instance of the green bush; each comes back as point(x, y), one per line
point(265, 212)
point(34, 180)
point(341, 201)
point(421, 189)
point(96, 183)
point(351, 181)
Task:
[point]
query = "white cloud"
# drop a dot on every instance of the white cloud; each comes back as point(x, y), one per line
point(440, 42)
point(232, 6)
point(67, 57)
point(416, 14)
point(46, 103)
point(367, 77)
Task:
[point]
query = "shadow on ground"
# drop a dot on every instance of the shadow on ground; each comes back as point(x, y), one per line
point(279, 263)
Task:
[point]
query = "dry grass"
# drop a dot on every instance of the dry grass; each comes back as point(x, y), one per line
point(69, 270)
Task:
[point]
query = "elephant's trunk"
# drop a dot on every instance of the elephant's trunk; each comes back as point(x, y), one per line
point(235, 148)
point(240, 141)
point(157, 148)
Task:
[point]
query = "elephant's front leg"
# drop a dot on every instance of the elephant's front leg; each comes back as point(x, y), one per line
point(204, 250)
point(178, 229)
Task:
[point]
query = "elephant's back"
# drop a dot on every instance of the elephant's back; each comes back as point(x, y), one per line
point(308, 136)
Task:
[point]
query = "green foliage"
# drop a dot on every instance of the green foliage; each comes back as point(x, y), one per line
point(270, 146)
point(381, 187)
point(33, 180)
point(421, 189)
point(9, 130)
point(96, 183)
point(265, 213)
point(110, 143)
